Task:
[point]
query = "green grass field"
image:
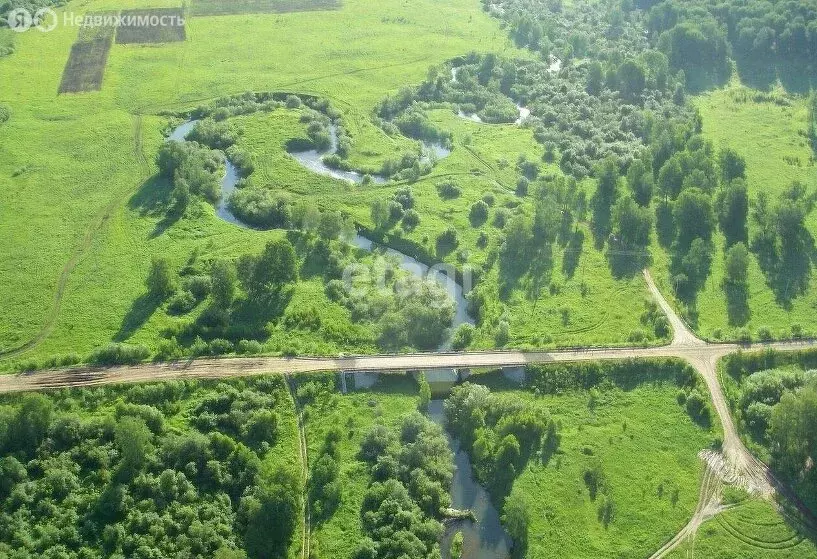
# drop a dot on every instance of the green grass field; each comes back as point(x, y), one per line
point(75, 253)
point(769, 132)
point(750, 529)
point(645, 441)
point(477, 163)
point(647, 447)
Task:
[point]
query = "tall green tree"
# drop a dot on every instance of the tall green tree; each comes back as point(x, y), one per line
point(631, 80)
point(632, 224)
point(595, 78)
point(694, 218)
point(272, 516)
point(732, 165)
point(607, 173)
point(134, 441)
point(736, 284)
point(516, 519)
point(29, 426)
point(223, 277)
point(793, 433)
point(671, 178)
point(641, 182)
point(274, 268)
point(160, 281)
point(733, 211)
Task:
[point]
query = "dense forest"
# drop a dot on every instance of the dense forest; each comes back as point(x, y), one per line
point(179, 469)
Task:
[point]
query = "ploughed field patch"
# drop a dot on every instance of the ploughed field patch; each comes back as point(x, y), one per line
point(85, 68)
point(230, 7)
point(156, 25)
point(86, 64)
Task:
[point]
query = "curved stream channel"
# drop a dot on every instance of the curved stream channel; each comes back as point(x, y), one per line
point(313, 160)
point(485, 537)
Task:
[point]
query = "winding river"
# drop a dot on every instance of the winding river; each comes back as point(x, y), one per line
point(484, 538)
point(313, 160)
point(555, 65)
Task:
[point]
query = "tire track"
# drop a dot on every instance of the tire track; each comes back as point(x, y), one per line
point(708, 507)
point(98, 223)
point(306, 530)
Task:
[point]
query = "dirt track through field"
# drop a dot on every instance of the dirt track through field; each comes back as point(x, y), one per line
point(97, 224)
point(306, 528)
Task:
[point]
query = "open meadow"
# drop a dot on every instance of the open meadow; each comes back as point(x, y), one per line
point(769, 130)
point(76, 219)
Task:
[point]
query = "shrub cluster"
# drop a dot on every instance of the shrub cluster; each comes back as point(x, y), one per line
point(411, 479)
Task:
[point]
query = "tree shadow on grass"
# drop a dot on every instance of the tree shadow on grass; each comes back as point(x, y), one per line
point(703, 78)
point(316, 262)
point(737, 304)
point(572, 254)
point(798, 76)
point(758, 73)
point(511, 272)
point(141, 310)
point(154, 200)
point(789, 275)
point(541, 269)
point(627, 263)
point(254, 314)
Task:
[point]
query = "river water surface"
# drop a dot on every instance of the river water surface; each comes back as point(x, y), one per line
point(313, 160)
point(484, 538)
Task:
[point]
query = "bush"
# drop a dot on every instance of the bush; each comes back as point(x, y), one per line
point(503, 333)
point(637, 336)
point(60, 361)
point(411, 219)
point(220, 347)
point(764, 334)
point(463, 336)
point(199, 347)
point(293, 102)
point(482, 240)
point(119, 354)
point(182, 303)
point(261, 207)
point(661, 327)
point(216, 135)
point(479, 213)
point(249, 347)
point(160, 281)
point(447, 240)
point(262, 428)
point(168, 350)
point(744, 336)
point(697, 406)
point(199, 286)
point(522, 186)
point(448, 189)
point(5, 114)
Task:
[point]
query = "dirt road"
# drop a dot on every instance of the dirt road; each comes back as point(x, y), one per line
point(704, 356)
